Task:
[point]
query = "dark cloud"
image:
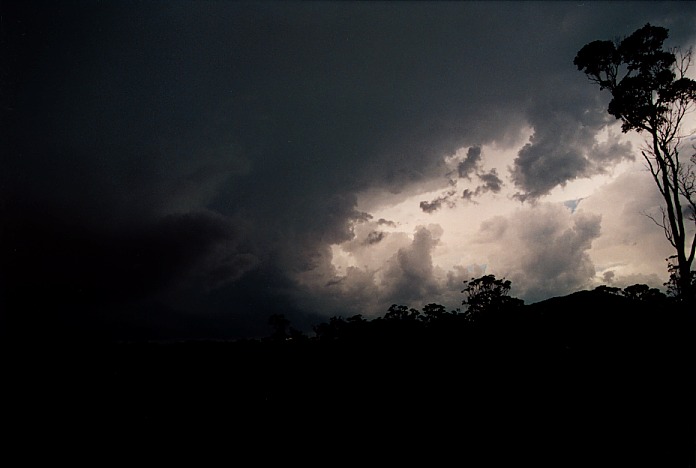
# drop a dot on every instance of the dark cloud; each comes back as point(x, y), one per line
point(491, 183)
point(471, 163)
point(608, 277)
point(375, 237)
point(434, 205)
point(409, 274)
point(366, 233)
point(59, 277)
point(567, 120)
point(357, 283)
point(469, 194)
point(119, 264)
point(199, 158)
point(469, 166)
point(565, 133)
point(540, 168)
point(431, 206)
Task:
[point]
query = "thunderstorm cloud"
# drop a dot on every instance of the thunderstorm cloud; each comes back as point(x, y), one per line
point(185, 169)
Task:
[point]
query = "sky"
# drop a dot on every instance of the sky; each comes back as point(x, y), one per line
point(185, 169)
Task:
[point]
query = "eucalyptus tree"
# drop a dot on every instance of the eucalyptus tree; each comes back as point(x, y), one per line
point(652, 95)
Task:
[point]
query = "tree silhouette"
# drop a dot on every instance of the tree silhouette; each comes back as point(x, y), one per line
point(674, 284)
point(651, 93)
point(433, 312)
point(608, 289)
point(280, 326)
point(488, 294)
point(402, 313)
point(643, 292)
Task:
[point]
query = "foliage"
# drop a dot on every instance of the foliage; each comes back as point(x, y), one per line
point(647, 84)
point(402, 313)
point(608, 289)
point(651, 93)
point(484, 295)
point(488, 294)
point(635, 292)
point(643, 292)
point(674, 284)
point(282, 330)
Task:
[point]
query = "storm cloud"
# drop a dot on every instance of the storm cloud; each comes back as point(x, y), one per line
point(543, 249)
point(447, 199)
point(564, 145)
point(202, 159)
point(490, 183)
point(399, 269)
point(470, 163)
point(471, 169)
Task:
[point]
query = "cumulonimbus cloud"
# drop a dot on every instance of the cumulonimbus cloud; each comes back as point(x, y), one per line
point(542, 249)
point(149, 123)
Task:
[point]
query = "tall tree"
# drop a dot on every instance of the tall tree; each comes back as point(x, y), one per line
point(488, 294)
point(651, 94)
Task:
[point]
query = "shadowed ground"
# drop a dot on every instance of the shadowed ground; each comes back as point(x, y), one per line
point(586, 380)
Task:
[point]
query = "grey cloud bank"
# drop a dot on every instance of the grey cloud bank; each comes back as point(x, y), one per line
point(182, 168)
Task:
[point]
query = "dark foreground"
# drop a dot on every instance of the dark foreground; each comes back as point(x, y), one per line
point(574, 382)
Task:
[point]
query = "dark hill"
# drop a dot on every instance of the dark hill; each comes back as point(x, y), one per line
point(588, 379)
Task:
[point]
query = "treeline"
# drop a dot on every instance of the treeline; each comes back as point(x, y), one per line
point(487, 303)
point(596, 378)
point(602, 377)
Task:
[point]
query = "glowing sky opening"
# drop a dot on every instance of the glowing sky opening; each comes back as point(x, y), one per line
point(460, 248)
